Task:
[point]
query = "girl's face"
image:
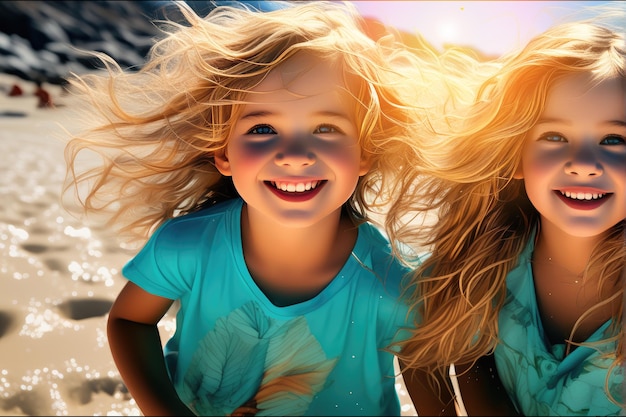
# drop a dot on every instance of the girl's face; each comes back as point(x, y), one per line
point(293, 153)
point(574, 158)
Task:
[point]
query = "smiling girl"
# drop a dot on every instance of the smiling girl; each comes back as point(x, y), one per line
point(248, 152)
point(528, 253)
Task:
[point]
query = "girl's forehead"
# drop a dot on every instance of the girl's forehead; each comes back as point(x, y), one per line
point(569, 90)
point(303, 74)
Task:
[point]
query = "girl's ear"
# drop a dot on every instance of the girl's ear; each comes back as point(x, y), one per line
point(519, 172)
point(367, 160)
point(222, 163)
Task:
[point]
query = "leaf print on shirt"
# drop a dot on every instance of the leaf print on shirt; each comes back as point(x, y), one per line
point(250, 361)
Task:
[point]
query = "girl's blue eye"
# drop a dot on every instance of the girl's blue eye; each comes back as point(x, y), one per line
point(613, 140)
point(553, 137)
point(327, 129)
point(262, 130)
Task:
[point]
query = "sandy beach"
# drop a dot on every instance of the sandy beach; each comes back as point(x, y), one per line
point(58, 277)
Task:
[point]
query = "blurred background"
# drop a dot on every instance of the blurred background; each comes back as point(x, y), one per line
point(42, 40)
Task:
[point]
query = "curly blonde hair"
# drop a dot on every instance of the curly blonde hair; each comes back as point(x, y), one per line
point(155, 131)
point(483, 218)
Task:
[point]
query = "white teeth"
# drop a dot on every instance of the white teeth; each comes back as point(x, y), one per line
point(295, 187)
point(583, 196)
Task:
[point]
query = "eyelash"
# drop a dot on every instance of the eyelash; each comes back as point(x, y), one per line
point(621, 139)
point(547, 136)
point(561, 138)
point(255, 130)
point(270, 130)
point(334, 129)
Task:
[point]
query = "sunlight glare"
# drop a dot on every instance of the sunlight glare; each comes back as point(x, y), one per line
point(448, 32)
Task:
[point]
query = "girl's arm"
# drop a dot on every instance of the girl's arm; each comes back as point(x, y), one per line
point(481, 391)
point(136, 347)
point(426, 400)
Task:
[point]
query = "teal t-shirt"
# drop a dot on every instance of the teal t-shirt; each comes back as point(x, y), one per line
point(538, 377)
point(232, 346)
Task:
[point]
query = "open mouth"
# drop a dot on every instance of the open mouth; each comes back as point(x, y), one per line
point(583, 196)
point(296, 191)
point(583, 200)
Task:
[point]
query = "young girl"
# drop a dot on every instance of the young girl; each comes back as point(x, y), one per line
point(250, 151)
point(528, 253)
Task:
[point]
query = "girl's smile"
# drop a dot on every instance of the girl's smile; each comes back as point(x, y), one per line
point(295, 191)
point(583, 200)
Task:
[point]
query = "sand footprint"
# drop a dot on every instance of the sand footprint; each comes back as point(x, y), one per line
point(35, 402)
point(7, 322)
point(85, 308)
point(83, 393)
point(56, 265)
point(35, 248)
point(70, 391)
point(47, 245)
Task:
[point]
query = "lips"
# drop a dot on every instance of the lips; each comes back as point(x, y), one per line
point(296, 191)
point(583, 200)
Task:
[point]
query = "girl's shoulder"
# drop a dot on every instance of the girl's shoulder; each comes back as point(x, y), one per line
point(374, 249)
point(216, 221)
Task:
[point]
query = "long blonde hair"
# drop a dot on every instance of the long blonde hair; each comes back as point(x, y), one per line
point(484, 218)
point(155, 130)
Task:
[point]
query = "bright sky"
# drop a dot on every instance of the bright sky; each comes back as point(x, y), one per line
point(492, 27)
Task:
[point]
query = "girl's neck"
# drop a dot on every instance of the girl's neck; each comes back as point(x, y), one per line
point(262, 235)
point(570, 252)
point(293, 264)
point(565, 294)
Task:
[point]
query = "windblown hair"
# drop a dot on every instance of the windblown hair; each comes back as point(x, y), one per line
point(155, 130)
point(485, 218)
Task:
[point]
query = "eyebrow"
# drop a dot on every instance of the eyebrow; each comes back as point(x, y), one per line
point(619, 123)
point(265, 113)
point(254, 114)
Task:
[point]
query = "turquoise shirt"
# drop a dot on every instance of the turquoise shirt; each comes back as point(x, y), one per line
point(538, 377)
point(232, 346)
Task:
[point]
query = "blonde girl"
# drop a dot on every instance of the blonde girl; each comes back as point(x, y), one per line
point(248, 157)
point(527, 254)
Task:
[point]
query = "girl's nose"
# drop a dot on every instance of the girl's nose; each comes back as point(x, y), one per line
point(294, 159)
point(295, 154)
point(583, 163)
